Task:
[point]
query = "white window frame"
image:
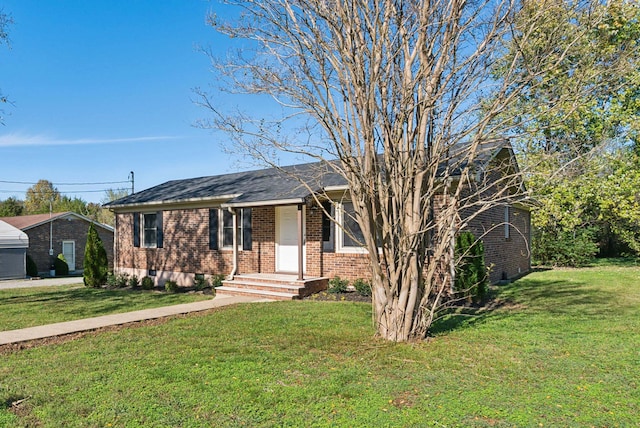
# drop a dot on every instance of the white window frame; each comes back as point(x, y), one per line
point(143, 225)
point(340, 247)
point(240, 237)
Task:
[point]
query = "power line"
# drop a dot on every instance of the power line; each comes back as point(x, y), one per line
point(71, 192)
point(69, 184)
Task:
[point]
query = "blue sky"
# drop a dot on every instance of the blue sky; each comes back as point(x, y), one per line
point(104, 87)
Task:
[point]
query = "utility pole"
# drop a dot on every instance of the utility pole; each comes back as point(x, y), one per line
point(131, 178)
point(52, 271)
point(50, 229)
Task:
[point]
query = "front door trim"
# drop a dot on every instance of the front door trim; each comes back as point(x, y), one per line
point(289, 232)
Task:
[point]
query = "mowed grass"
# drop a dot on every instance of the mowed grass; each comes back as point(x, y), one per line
point(28, 307)
point(561, 349)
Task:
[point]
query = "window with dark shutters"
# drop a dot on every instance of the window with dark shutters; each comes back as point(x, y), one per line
point(136, 229)
point(246, 229)
point(150, 227)
point(327, 227)
point(159, 230)
point(225, 230)
point(213, 229)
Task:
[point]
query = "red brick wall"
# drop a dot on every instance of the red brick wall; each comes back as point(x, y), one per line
point(330, 264)
point(506, 258)
point(186, 250)
point(186, 247)
point(73, 229)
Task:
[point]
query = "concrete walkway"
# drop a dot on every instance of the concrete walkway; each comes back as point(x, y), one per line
point(44, 282)
point(58, 329)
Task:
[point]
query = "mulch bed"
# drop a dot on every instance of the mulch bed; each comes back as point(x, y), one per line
point(352, 296)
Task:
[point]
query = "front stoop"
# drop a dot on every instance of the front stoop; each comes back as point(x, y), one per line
point(272, 286)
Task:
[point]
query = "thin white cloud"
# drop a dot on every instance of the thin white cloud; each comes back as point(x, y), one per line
point(18, 140)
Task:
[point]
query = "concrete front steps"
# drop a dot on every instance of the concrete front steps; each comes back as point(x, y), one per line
point(272, 286)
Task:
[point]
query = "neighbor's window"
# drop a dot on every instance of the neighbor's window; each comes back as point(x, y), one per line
point(150, 225)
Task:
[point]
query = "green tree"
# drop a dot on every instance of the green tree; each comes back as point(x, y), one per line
point(11, 207)
point(104, 215)
point(577, 121)
point(96, 265)
point(586, 90)
point(471, 271)
point(41, 197)
point(76, 205)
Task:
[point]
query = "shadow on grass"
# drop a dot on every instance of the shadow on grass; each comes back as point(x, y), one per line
point(97, 301)
point(617, 262)
point(530, 295)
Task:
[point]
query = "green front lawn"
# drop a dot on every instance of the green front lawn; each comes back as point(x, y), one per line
point(28, 307)
point(561, 349)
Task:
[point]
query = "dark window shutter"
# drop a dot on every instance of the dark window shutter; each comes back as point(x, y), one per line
point(136, 229)
point(326, 221)
point(247, 239)
point(327, 228)
point(213, 229)
point(159, 230)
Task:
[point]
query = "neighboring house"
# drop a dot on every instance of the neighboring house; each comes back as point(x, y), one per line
point(64, 233)
point(13, 252)
point(252, 226)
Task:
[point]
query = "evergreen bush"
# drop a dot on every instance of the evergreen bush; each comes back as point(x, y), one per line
point(112, 280)
point(32, 268)
point(134, 281)
point(147, 283)
point(216, 280)
point(122, 279)
point(200, 282)
point(362, 286)
point(338, 285)
point(61, 266)
point(471, 272)
point(96, 264)
point(171, 286)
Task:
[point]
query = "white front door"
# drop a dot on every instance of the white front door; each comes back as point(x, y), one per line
point(287, 239)
point(69, 253)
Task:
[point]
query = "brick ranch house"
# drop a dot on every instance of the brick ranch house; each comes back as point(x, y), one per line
point(65, 233)
point(263, 231)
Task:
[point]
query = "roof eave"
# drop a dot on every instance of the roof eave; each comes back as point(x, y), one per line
point(276, 202)
point(63, 215)
point(149, 204)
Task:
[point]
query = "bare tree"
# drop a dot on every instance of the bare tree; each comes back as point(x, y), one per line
point(5, 21)
point(407, 96)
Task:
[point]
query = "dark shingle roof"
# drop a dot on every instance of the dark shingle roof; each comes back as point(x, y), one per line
point(272, 185)
point(240, 188)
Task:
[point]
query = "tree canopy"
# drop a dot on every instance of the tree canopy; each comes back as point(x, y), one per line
point(40, 195)
point(577, 127)
point(11, 207)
